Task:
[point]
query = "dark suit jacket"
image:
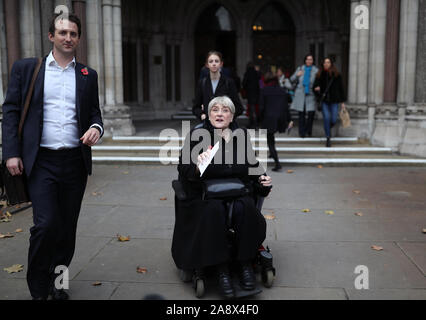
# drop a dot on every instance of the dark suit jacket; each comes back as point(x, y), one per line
point(87, 105)
point(204, 94)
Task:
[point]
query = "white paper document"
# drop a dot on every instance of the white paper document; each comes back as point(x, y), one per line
point(203, 166)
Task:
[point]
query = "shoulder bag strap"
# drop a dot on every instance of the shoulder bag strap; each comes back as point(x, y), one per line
point(28, 98)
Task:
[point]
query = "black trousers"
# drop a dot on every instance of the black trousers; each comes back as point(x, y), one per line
point(271, 146)
point(56, 187)
point(305, 127)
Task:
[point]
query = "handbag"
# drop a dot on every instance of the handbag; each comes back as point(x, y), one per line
point(224, 189)
point(344, 116)
point(14, 188)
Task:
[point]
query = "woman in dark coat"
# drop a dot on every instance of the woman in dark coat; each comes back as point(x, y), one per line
point(329, 87)
point(251, 87)
point(200, 233)
point(275, 114)
point(214, 85)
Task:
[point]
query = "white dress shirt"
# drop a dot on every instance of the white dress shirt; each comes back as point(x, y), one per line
point(60, 126)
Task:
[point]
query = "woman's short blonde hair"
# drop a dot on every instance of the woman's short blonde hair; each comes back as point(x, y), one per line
point(224, 101)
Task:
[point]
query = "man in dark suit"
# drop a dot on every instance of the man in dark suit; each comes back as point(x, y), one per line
point(63, 122)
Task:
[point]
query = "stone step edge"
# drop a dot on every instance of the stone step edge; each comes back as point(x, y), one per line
point(285, 161)
point(277, 139)
point(279, 149)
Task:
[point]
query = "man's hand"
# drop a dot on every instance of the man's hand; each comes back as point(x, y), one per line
point(203, 116)
point(91, 137)
point(15, 166)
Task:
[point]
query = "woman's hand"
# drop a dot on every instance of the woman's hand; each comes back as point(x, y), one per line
point(203, 116)
point(203, 157)
point(317, 89)
point(265, 181)
point(300, 73)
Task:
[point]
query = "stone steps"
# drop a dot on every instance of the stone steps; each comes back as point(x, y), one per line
point(292, 151)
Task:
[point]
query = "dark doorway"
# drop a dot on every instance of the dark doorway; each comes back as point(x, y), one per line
point(214, 31)
point(274, 38)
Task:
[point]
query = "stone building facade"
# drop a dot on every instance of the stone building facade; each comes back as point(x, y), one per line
point(148, 53)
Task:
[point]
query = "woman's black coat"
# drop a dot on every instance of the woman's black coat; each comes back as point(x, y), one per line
point(200, 233)
point(335, 93)
point(274, 109)
point(251, 86)
point(204, 94)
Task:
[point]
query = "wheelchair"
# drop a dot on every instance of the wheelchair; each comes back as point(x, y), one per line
point(262, 263)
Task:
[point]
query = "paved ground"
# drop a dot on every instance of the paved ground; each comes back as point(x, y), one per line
point(315, 253)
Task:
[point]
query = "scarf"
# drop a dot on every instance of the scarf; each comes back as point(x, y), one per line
point(307, 79)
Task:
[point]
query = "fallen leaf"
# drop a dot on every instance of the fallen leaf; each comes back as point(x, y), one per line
point(164, 198)
point(424, 230)
point(320, 166)
point(141, 270)
point(123, 238)
point(306, 210)
point(378, 248)
point(18, 230)
point(329, 212)
point(269, 216)
point(18, 206)
point(290, 171)
point(356, 191)
point(97, 283)
point(100, 193)
point(359, 214)
point(5, 236)
point(8, 214)
point(15, 268)
point(4, 219)
point(125, 172)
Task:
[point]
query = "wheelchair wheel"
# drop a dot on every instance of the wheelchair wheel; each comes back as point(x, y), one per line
point(185, 275)
point(199, 288)
point(268, 278)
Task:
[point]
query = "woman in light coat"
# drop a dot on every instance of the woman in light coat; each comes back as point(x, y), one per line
point(304, 97)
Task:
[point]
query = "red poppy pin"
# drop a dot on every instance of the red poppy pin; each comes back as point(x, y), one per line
point(85, 71)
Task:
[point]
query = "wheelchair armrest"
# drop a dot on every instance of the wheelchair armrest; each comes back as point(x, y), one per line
point(179, 190)
point(259, 202)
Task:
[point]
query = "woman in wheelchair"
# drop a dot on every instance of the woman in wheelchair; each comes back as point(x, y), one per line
point(222, 198)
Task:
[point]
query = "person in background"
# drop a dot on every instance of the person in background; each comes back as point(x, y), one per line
point(274, 113)
point(251, 89)
point(304, 98)
point(213, 85)
point(329, 86)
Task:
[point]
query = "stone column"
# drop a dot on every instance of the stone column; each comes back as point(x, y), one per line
point(376, 69)
point(108, 53)
point(392, 45)
point(117, 120)
point(95, 55)
point(30, 28)
point(157, 72)
point(362, 77)
point(118, 52)
point(80, 10)
point(11, 11)
point(353, 56)
point(407, 51)
point(421, 55)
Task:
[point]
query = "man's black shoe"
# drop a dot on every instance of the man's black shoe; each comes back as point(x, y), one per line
point(328, 143)
point(225, 284)
point(277, 168)
point(59, 294)
point(247, 277)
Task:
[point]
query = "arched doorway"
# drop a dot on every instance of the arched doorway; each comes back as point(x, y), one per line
point(274, 38)
point(215, 30)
